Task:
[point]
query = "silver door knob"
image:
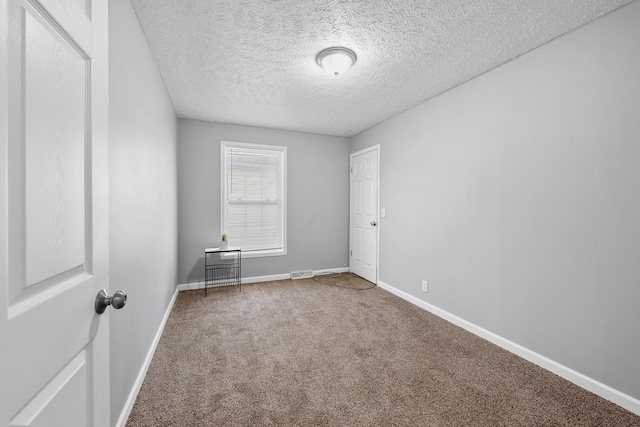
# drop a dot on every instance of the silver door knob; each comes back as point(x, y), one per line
point(103, 300)
point(374, 223)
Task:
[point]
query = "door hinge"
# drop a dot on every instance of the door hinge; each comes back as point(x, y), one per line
point(350, 253)
point(351, 169)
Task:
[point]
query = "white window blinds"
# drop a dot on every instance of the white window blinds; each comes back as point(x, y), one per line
point(253, 196)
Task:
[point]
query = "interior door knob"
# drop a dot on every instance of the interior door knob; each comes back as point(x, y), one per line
point(103, 300)
point(374, 223)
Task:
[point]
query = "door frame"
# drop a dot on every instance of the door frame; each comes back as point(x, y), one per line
point(375, 148)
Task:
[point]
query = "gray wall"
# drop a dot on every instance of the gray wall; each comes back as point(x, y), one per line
point(516, 195)
point(143, 199)
point(317, 204)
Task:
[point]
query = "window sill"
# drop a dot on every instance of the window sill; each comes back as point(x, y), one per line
point(265, 253)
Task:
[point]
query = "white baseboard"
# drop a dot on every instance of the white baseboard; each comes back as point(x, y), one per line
point(331, 270)
point(256, 279)
point(128, 406)
point(619, 398)
point(244, 281)
point(190, 286)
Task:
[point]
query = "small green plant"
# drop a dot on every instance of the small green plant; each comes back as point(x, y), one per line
point(224, 237)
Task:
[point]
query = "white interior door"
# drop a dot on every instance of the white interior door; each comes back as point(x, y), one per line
point(364, 214)
point(53, 212)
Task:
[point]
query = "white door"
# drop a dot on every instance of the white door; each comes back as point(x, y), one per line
point(364, 214)
point(53, 213)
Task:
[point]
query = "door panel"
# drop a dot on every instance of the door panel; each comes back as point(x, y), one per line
point(53, 164)
point(364, 208)
point(54, 159)
point(63, 399)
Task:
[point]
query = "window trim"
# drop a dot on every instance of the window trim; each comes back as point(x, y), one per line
point(223, 191)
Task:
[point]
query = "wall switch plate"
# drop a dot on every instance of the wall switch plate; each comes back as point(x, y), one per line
point(425, 286)
point(383, 213)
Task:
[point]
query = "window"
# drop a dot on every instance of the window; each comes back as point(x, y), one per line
point(253, 197)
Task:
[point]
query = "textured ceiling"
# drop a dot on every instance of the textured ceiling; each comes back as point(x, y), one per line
point(252, 62)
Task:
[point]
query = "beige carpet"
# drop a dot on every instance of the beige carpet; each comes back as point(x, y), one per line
point(301, 353)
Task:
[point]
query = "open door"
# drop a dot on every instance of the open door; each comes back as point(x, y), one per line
point(54, 349)
point(363, 217)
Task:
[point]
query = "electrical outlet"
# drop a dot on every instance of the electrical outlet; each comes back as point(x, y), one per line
point(425, 286)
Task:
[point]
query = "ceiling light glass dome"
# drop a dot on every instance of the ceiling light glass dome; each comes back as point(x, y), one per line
point(336, 60)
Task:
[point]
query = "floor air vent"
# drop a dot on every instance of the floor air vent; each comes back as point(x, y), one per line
point(305, 274)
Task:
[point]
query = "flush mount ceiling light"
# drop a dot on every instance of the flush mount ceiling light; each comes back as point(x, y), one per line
point(336, 60)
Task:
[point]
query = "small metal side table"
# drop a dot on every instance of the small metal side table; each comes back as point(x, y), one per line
point(222, 267)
